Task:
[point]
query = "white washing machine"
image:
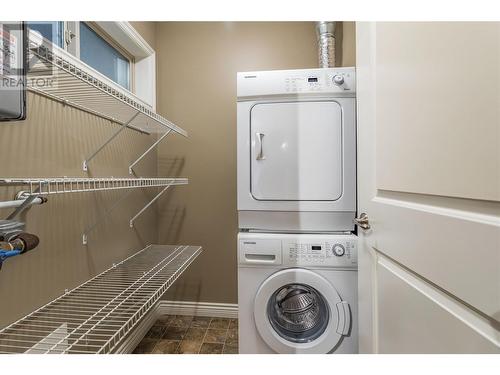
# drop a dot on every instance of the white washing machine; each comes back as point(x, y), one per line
point(297, 293)
point(297, 150)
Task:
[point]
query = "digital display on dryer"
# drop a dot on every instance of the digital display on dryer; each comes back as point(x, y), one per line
point(316, 248)
point(312, 79)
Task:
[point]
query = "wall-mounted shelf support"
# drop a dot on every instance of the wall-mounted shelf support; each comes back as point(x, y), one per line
point(113, 136)
point(147, 205)
point(131, 166)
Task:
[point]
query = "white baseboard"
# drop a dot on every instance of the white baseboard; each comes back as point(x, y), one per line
point(216, 310)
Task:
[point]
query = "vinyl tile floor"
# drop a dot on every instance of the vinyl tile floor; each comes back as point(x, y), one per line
point(179, 334)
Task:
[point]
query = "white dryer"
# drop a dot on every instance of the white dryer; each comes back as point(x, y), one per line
point(297, 150)
point(297, 293)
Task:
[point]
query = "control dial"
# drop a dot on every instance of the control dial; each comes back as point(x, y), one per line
point(338, 250)
point(338, 80)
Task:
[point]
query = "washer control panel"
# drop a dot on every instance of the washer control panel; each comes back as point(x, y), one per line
point(340, 251)
point(297, 250)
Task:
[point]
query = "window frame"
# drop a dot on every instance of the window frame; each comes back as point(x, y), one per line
point(122, 36)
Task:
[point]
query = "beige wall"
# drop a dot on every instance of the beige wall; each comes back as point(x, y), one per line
point(53, 141)
point(147, 31)
point(347, 35)
point(197, 65)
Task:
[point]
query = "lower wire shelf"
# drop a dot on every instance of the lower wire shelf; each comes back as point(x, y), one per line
point(96, 316)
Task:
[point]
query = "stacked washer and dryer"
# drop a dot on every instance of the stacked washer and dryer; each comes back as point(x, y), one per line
point(297, 256)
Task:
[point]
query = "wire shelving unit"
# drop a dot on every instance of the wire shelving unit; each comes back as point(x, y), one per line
point(55, 74)
point(96, 316)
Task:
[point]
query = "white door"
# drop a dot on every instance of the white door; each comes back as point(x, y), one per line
point(296, 151)
point(429, 181)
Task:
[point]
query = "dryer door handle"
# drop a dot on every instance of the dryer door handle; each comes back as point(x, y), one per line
point(344, 318)
point(260, 155)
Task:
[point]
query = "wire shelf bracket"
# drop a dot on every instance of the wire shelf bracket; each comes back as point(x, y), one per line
point(105, 143)
point(147, 205)
point(156, 143)
point(96, 317)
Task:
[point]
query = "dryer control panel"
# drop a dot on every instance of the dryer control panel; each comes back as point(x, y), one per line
point(335, 82)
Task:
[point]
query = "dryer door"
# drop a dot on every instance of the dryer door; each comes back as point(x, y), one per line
point(296, 152)
point(299, 311)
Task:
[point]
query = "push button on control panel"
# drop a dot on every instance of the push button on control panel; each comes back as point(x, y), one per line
point(307, 253)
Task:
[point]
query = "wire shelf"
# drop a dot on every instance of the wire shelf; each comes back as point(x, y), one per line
point(96, 316)
point(62, 185)
point(36, 187)
point(52, 74)
point(58, 75)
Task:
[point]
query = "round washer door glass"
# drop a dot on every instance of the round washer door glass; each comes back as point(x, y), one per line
point(298, 313)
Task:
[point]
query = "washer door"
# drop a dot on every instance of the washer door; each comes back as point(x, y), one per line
point(299, 311)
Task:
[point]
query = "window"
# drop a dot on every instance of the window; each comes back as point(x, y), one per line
point(103, 57)
point(115, 49)
point(50, 30)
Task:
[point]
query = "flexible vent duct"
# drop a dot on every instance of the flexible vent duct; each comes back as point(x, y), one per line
point(326, 43)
